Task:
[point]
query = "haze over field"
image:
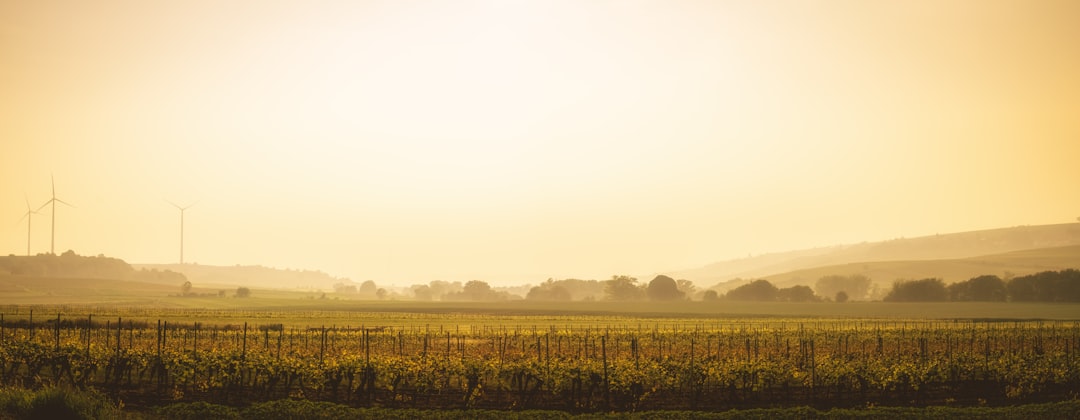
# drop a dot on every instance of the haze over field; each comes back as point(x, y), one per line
point(513, 141)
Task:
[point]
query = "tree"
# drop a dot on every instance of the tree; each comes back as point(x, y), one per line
point(987, 288)
point(440, 289)
point(1069, 285)
point(590, 290)
point(925, 290)
point(798, 293)
point(243, 292)
point(622, 288)
point(663, 288)
point(185, 288)
point(710, 296)
point(368, 288)
point(855, 286)
point(345, 288)
point(549, 291)
point(841, 296)
point(757, 290)
point(422, 292)
point(1047, 286)
point(476, 290)
point(686, 286)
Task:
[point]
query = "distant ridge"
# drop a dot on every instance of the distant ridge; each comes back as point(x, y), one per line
point(884, 273)
point(249, 275)
point(935, 247)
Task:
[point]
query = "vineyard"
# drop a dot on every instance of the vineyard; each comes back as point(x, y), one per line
point(576, 364)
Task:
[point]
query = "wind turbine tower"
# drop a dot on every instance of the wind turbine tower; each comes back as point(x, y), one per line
point(29, 215)
point(182, 209)
point(53, 201)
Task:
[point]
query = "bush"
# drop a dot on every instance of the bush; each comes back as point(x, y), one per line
point(299, 409)
point(56, 404)
point(199, 410)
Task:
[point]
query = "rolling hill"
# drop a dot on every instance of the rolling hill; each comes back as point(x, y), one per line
point(250, 276)
point(927, 248)
point(883, 273)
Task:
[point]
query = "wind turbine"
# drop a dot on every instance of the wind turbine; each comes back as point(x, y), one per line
point(29, 216)
point(53, 201)
point(182, 209)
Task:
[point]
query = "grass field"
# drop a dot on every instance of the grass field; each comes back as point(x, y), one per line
point(49, 402)
point(147, 346)
point(113, 296)
point(496, 359)
point(341, 312)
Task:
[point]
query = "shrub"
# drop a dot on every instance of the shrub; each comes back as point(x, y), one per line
point(56, 404)
point(199, 410)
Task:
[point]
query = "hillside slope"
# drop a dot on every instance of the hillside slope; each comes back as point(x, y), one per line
point(884, 273)
point(936, 247)
point(251, 276)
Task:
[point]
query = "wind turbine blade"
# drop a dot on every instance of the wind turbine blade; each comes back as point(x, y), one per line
point(173, 204)
point(46, 204)
point(64, 202)
point(29, 211)
point(52, 179)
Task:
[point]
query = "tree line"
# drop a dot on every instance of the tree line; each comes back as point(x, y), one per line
point(1046, 286)
point(664, 288)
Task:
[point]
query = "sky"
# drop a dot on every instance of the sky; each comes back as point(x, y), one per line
point(513, 141)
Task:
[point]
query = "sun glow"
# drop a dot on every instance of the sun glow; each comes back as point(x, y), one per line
point(519, 140)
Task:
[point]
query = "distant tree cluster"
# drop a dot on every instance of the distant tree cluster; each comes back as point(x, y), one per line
point(855, 287)
point(1061, 286)
point(471, 291)
point(549, 291)
point(623, 288)
point(435, 290)
point(366, 290)
point(925, 290)
point(660, 289)
point(1047, 286)
point(478, 291)
point(757, 290)
point(764, 291)
point(567, 290)
point(987, 288)
point(619, 288)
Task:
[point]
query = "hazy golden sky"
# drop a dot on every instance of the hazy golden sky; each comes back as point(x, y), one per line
point(512, 141)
